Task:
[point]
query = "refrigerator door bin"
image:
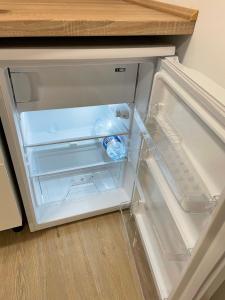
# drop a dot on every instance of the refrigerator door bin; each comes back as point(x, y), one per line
point(169, 237)
point(50, 159)
point(37, 88)
point(186, 184)
point(190, 225)
point(61, 125)
point(173, 162)
point(166, 272)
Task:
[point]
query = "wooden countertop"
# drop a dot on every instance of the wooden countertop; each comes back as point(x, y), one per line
point(35, 18)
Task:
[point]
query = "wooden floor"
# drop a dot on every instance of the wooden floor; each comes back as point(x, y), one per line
point(85, 260)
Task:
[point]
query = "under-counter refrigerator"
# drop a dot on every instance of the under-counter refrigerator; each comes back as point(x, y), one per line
point(59, 106)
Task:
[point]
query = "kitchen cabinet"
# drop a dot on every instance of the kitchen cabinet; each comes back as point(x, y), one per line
point(10, 213)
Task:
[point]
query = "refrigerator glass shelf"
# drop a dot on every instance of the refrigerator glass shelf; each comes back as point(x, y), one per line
point(75, 186)
point(54, 126)
point(163, 224)
point(51, 159)
point(166, 147)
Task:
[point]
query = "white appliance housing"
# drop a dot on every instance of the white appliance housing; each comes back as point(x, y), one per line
point(173, 174)
point(10, 213)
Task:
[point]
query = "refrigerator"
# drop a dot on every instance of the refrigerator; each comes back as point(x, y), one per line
point(58, 108)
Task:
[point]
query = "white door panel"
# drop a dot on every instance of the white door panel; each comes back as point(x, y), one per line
point(184, 135)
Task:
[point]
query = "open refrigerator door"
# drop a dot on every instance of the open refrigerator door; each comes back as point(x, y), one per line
point(180, 176)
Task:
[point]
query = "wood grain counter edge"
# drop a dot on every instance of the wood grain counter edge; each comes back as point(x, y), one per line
point(138, 18)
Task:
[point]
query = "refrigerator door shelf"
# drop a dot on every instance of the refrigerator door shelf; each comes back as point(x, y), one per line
point(186, 184)
point(51, 159)
point(166, 272)
point(184, 181)
point(154, 205)
point(190, 226)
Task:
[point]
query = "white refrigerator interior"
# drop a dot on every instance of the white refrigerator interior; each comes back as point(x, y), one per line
point(171, 121)
point(10, 214)
point(69, 169)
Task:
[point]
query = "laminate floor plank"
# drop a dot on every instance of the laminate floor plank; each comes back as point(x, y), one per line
point(85, 260)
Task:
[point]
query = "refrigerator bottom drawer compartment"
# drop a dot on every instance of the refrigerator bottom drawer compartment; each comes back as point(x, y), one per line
point(74, 186)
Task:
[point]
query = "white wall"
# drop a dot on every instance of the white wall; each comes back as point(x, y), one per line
point(205, 50)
